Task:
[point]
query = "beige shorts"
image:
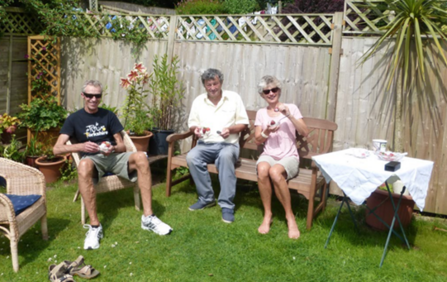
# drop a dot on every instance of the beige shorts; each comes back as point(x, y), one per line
point(290, 164)
point(117, 164)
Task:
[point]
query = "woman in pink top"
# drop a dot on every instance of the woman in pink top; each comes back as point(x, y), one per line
point(275, 127)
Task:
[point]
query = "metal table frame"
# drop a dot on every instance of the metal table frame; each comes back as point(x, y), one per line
point(402, 237)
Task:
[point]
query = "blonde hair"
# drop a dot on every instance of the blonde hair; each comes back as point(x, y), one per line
point(266, 80)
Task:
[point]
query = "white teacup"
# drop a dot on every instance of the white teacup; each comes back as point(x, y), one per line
point(379, 145)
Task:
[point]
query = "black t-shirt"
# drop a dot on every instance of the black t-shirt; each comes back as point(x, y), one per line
point(98, 127)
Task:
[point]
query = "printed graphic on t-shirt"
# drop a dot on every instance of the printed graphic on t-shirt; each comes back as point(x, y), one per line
point(95, 130)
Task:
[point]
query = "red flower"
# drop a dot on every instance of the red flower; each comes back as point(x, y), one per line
point(139, 67)
point(125, 83)
point(26, 56)
point(133, 75)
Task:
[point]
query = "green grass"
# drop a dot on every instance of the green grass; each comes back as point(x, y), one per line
point(203, 248)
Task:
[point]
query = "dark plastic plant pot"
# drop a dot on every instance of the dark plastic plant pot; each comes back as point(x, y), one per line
point(158, 144)
point(385, 210)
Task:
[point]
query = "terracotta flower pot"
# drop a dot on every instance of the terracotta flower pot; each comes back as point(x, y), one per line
point(386, 212)
point(141, 142)
point(51, 169)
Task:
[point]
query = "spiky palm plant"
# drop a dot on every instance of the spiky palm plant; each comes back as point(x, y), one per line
point(414, 21)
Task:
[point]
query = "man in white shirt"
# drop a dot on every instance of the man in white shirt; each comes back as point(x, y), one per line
point(217, 117)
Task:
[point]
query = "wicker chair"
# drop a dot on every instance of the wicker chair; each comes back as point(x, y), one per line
point(21, 180)
point(111, 182)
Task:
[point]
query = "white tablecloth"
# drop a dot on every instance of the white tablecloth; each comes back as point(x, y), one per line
point(358, 178)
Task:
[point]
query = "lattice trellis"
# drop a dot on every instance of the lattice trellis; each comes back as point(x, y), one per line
point(153, 26)
point(360, 18)
point(17, 22)
point(43, 67)
point(93, 5)
point(311, 29)
point(308, 29)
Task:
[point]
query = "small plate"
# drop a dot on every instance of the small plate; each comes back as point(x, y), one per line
point(359, 153)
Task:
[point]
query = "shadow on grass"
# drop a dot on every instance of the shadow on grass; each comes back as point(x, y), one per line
point(363, 234)
point(109, 205)
point(31, 244)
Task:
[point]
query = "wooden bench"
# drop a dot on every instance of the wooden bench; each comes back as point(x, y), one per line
point(306, 183)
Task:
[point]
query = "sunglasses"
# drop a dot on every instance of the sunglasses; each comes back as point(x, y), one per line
point(267, 91)
point(90, 96)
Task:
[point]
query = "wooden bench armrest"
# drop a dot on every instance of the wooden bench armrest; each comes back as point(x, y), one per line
point(178, 136)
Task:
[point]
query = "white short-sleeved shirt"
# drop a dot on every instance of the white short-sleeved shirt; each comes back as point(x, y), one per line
point(229, 111)
point(281, 143)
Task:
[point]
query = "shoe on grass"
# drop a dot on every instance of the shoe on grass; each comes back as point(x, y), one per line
point(92, 237)
point(199, 205)
point(153, 223)
point(227, 215)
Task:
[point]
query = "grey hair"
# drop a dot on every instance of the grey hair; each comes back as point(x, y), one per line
point(266, 80)
point(211, 74)
point(92, 82)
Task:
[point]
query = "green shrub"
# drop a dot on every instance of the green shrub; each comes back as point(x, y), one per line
point(200, 7)
point(240, 6)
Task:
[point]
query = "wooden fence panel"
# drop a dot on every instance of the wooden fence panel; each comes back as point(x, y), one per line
point(13, 69)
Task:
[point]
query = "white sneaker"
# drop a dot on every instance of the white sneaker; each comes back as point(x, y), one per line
point(92, 237)
point(153, 223)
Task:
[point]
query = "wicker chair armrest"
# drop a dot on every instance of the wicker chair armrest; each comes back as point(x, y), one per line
point(6, 209)
point(130, 147)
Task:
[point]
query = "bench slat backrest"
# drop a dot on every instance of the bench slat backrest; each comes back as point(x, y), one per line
point(319, 140)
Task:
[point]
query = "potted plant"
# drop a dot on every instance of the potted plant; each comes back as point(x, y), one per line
point(134, 110)
point(167, 94)
point(50, 165)
point(33, 150)
point(43, 117)
point(8, 125)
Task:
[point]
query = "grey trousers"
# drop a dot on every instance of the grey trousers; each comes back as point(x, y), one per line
point(224, 156)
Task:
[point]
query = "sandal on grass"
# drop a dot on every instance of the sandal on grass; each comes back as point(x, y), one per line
point(79, 268)
point(57, 273)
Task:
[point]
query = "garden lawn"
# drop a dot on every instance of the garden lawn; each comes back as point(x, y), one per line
point(203, 248)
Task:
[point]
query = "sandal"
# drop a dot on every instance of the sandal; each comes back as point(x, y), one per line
point(79, 268)
point(57, 273)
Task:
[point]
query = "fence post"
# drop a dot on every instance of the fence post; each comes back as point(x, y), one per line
point(8, 84)
point(336, 50)
point(171, 37)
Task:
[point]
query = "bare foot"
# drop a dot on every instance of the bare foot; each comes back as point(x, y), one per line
point(294, 233)
point(264, 228)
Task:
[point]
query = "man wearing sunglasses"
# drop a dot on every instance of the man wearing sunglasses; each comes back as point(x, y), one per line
point(216, 118)
point(91, 127)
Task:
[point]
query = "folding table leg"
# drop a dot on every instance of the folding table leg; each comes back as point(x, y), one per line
point(345, 200)
point(396, 216)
